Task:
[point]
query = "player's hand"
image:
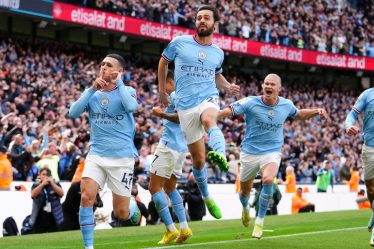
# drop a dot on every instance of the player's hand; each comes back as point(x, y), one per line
point(114, 76)
point(164, 99)
point(322, 114)
point(157, 111)
point(234, 89)
point(99, 83)
point(352, 130)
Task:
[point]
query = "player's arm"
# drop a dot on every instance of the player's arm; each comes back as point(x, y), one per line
point(227, 112)
point(224, 85)
point(305, 114)
point(128, 97)
point(78, 106)
point(173, 117)
point(358, 107)
point(161, 74)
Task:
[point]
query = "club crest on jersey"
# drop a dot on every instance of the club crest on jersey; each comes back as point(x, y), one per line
point(201, 57)
point(104, 101)
point(271, 114)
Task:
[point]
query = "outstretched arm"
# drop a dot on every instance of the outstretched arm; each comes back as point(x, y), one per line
point(227, 112)
point(305, 114)
point(173, 117)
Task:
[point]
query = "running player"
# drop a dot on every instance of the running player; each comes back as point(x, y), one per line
point(110, 105)
point(365, 105)
point(261, 148)
point(198, 73)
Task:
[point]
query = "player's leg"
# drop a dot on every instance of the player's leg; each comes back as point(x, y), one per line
point(159, 197)
point(93, 178)
point(370, 193)
point(216, 140)
point(249, 168)
point(120, 180)
point(178, 207)
point(161, 169)
point(368, 165)
point(194, 133)
point(197, 150)
point(268, 172)
point(245, 190)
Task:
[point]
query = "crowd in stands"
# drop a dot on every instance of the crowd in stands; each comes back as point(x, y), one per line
point(336, 26)
point(39, 81)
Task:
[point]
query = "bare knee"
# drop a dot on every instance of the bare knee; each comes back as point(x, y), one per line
point(267, 180)
point(198, 160)
point(121, 213)
point(154, 188)
point(87, 199)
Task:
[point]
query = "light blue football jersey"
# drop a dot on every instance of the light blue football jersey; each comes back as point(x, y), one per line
point(196, 66)
point(172, 135)
point(365, 104)
point(112, 123)
point(264, 124)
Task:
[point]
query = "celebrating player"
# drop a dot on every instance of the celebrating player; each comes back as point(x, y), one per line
point(365, 104)
point(198, 68)
point(111, 157)
point(261, 148)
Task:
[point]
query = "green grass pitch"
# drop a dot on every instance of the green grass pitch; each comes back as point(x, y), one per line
point(335, 230)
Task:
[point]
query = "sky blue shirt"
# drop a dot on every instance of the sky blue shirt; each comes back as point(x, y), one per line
point(196, 66)
point(365, 104)
point(111, 120)
point(264, 124)
point(172, 135)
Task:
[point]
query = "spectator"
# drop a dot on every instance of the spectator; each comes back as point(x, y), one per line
point(50, 158)
point(362, 201)
point(46, 215)
point(354, 181)
point(6, 172)
point(290, 180)
point(300, 204)
point(325, 177)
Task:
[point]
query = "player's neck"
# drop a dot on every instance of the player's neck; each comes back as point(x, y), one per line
point(205, 40)
point(271, 101)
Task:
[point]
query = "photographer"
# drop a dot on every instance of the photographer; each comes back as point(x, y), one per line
point(46, 215)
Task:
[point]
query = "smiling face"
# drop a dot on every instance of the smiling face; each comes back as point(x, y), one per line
point(108, 66)
point(204, 23)
point(271, 86)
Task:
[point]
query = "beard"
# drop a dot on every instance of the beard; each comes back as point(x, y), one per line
point(207, 32)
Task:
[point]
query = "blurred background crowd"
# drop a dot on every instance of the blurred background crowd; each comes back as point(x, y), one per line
point(40, 80)
point(336, 26)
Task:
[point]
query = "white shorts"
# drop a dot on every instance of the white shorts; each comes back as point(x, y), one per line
point(251, 164)
point(190, 121)
point(117, 172)
point(367, 157)
point(167, 162)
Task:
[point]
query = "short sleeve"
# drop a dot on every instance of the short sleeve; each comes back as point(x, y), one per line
point(360, 102)
point(241, 106)
point(293, 110)
point(170, 51)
